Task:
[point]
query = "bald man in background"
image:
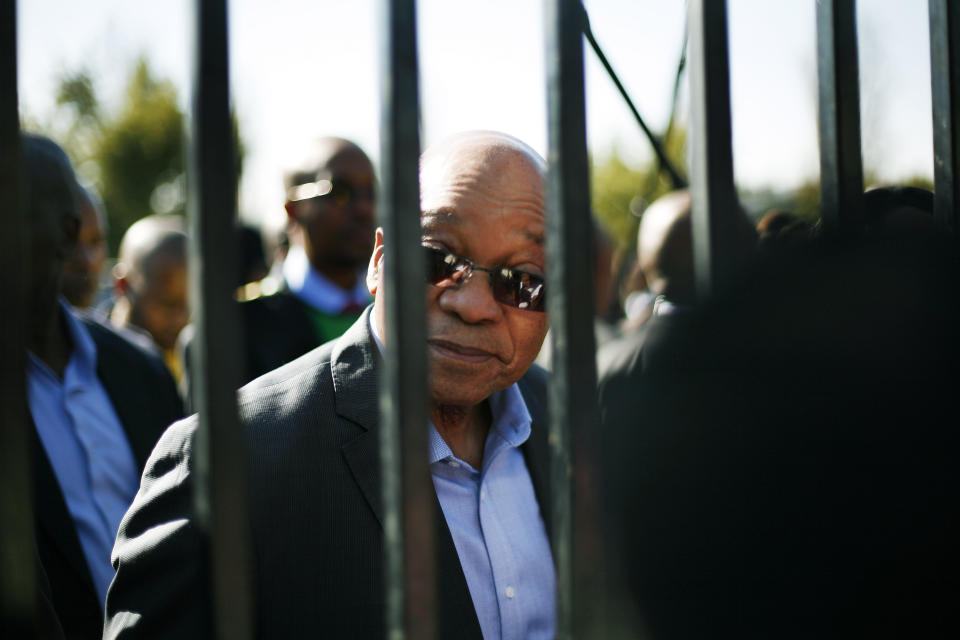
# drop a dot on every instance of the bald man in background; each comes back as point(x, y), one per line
point(331, 222)
point(150, 281)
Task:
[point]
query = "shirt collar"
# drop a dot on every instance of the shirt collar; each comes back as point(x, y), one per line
point(510, 427)
point(317, 290)
point(84, 350)
point(83, 354)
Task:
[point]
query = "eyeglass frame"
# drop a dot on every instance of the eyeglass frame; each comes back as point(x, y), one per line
point(327, 187)
point(503, 273)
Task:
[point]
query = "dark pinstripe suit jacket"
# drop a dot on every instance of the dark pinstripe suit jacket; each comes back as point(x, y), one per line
point(313, 470)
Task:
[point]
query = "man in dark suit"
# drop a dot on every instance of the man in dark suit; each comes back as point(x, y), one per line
point(97, 402)
point(310, 432)
point(330, 208)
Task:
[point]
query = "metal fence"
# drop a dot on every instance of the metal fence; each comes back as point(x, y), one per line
point(411, 600)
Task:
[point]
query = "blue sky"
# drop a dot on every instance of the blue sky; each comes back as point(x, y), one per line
point(305, 68)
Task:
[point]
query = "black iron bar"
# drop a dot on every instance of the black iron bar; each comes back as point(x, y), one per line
point(841, 168)
point(572, 404)
point(408, 494)
point(17, 567)
point(714, 222)
point(945, 79)
point(664, 162)
point(221, 496)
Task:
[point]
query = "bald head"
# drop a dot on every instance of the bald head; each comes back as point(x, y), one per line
point(330, 208)
point(315, 164)
point(482, 201)
point(151, 278)
point(665, 247)
point(148, 240)
point(478, 159)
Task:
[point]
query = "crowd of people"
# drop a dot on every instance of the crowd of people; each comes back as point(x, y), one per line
point(775, 459)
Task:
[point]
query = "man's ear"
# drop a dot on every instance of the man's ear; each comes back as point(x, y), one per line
point(291, 209)
point(375, 268)
point(120, 282)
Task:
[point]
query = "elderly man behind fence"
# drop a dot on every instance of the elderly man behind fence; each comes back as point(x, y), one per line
point(310, 430)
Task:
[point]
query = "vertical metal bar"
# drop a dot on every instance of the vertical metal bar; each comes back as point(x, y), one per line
point(17, 570)
point(408, 494)
point(945, 77)
point(841, 168)
point(714, 216)
point(221, 482)
point(572, 402)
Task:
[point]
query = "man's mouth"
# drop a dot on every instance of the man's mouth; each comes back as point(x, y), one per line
point(459, 352)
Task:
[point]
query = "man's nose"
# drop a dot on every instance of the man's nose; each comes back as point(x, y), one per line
point(472, 300)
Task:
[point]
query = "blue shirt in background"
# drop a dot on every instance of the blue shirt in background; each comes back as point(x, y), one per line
point(87, 448)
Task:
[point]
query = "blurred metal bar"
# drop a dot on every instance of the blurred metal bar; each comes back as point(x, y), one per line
point(408, 494)
point(221, 483)
point(17, 567)
point(715, 208)
point(841, 169)
point(945, 77)
point(573, 411)
point(664, 162)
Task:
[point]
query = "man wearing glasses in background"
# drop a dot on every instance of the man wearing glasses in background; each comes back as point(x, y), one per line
point(310, 430)
point(330, 210)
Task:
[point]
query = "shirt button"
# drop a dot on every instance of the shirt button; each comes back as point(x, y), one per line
point(454, 464)
point(483, 494)
point(510, 592)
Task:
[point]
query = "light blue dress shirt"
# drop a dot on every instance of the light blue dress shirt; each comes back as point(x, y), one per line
point(497, 527)
point(314, 289)
point(496, 524)
point(87, 448)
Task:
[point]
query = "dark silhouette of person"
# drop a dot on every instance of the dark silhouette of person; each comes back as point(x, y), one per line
point(98, 404)
point(791, 472)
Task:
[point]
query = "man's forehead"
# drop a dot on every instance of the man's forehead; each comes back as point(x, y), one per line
point(528, 224)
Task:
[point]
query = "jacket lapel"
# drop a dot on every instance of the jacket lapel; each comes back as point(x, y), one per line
point(127, 395)
point(354, 363)
point(536, 450)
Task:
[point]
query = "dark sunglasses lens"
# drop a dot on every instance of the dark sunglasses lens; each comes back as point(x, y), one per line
point(439, 266)
point(519, 289)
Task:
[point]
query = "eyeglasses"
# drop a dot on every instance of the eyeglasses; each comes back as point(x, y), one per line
point(340, 192)
point(511, 287)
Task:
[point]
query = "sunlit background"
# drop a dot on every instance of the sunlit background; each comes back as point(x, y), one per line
point(306, 68)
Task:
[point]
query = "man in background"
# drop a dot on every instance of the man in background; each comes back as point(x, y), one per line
point(330, 210)
point(84, 267)
point(150, 280)
point(98, 405)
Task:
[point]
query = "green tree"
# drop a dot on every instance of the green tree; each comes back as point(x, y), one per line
point(135, 156)
point(140, 153)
